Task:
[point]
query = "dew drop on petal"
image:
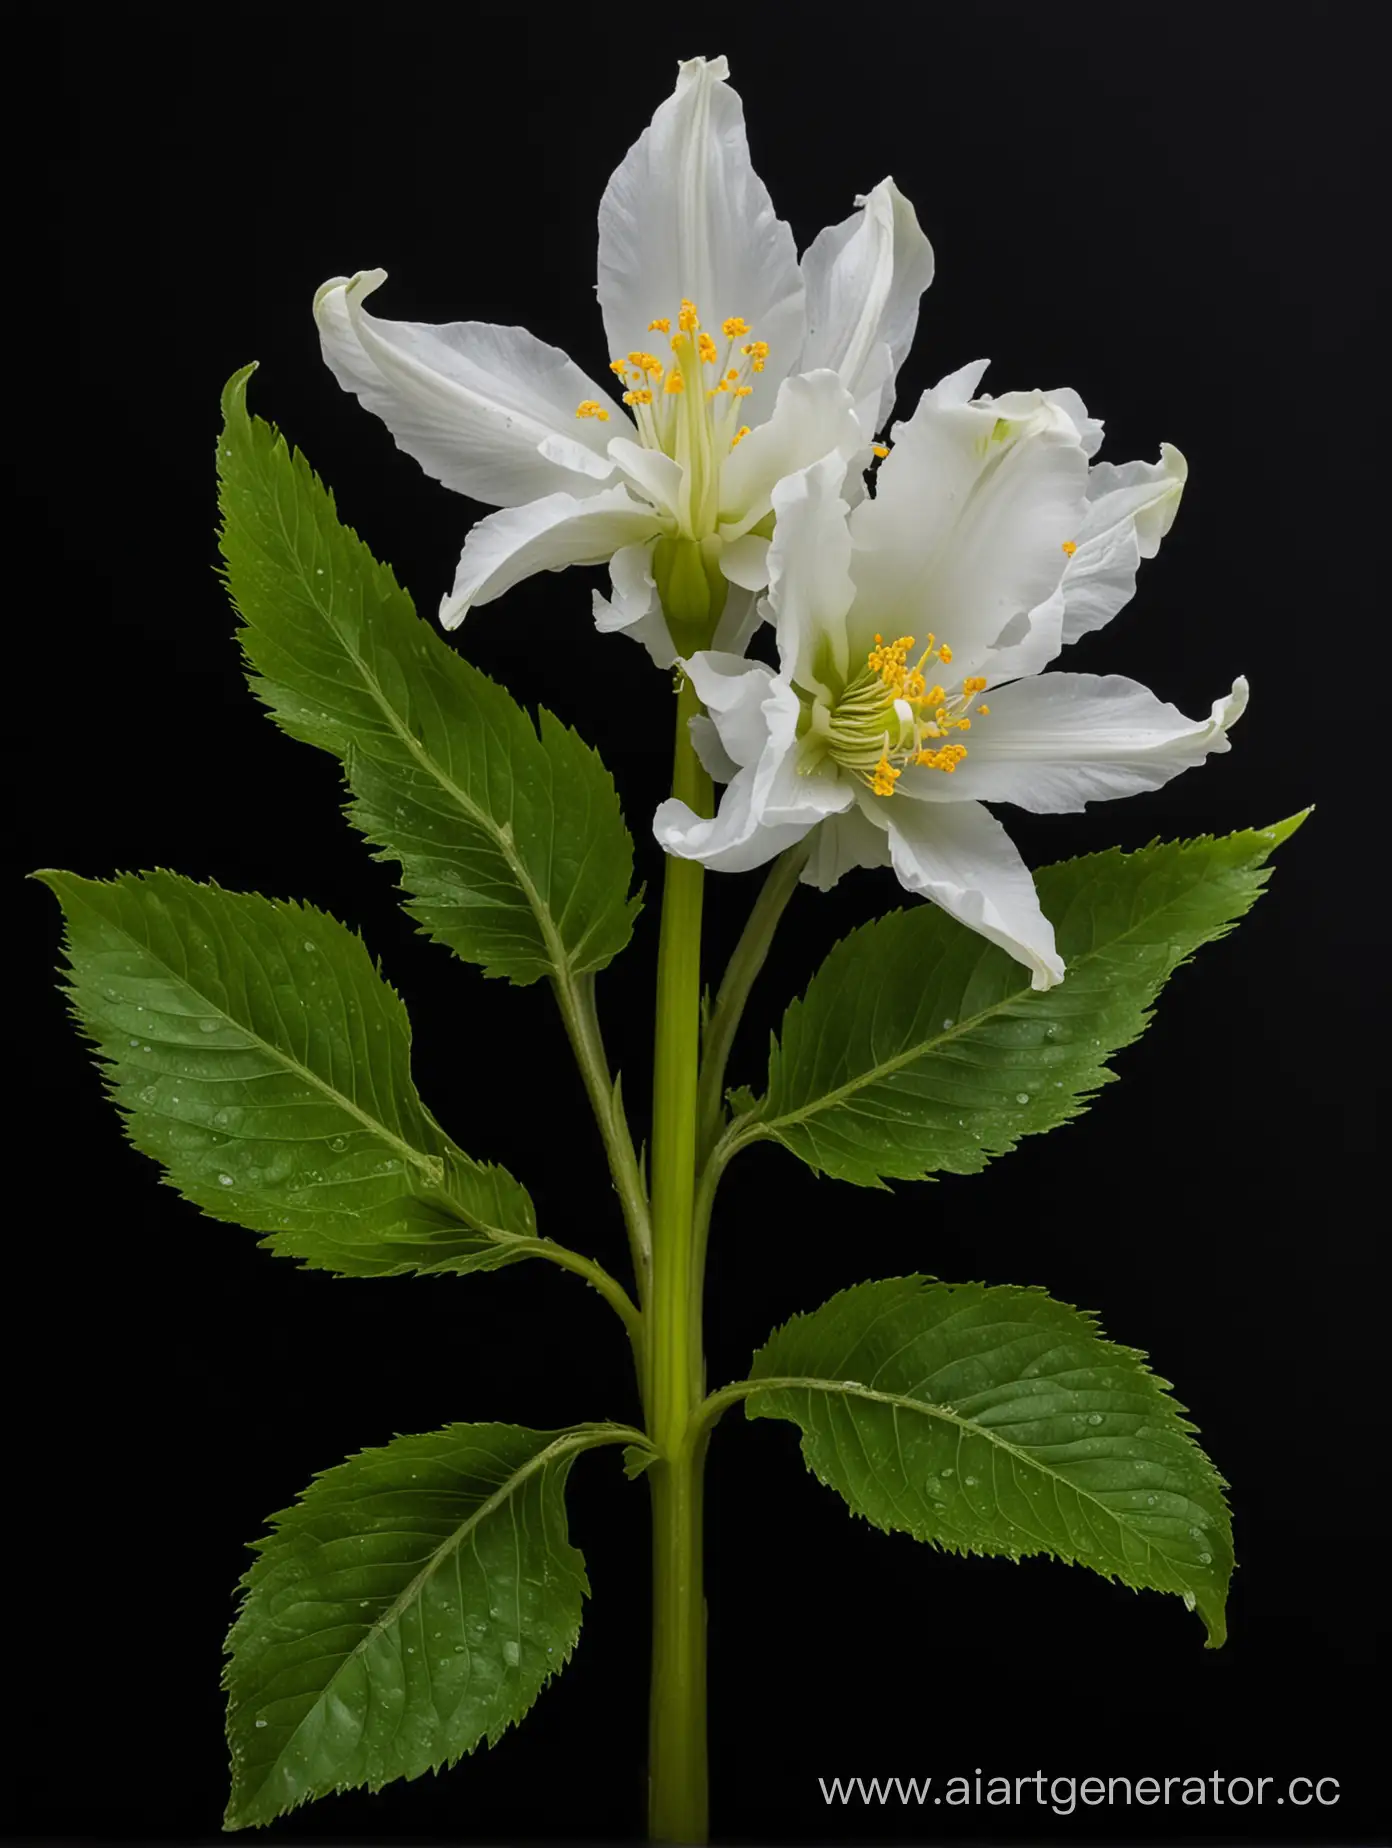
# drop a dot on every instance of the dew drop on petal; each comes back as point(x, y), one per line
point(1022, 1097)
point(512, 1655)
point(1189, 1600)
point(225, 1180)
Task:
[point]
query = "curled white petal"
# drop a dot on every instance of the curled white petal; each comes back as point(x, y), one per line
point(1129, 511)
point(1059, 741)
point(545, 535)
point(767, 805)
point(958, 855)
point(488, 411)
point(686, 216)
point(634, 608)
point(810, 588)
point(864, 279)
point(813, 417)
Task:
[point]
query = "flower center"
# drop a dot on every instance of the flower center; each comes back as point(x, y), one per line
point(689, 409)
point(889, 716)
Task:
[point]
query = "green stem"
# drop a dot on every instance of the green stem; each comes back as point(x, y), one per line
point(676, 1370)
point(575, 997)
point(740, 975)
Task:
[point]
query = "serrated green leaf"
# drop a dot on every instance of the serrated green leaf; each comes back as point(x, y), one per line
point(996, 1420)
point(413, 1602)
point(511, 842)
point(920, 1048)
point(255, 1052)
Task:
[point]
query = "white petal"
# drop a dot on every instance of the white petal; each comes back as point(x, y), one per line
point(842, 843)
point(814, 417)
point(733, 692)
point(738, 620)
point(545, 535)
point(1130, 509)
point(767, 805)
point(635, 609)
point(733, 841)
point(745, 562)
point(1059, 741)
point(654, 475)
point(810, 589)
point(716, 761)
point(864, 278)
point(964, 537)
point(958, 855)
point(686, 216)
point(489, 411)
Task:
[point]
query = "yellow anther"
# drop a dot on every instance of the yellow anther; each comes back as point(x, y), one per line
point(638, 397)
point(945, 655)
point(974, 683)
point(885, 777)
point(733, 375)
point(1069, 547)
point(934, 696)
point(964, 724)
point(880, 449)
point(662, 326)
point(743, 391)
point(647, 362)
point(620, 366)
point(734, 327)
point(688, 320)
point(592, 408)
point(705, 346)
point(757, 352)
point(985, 711)
point(675, 383)
point(739, 435)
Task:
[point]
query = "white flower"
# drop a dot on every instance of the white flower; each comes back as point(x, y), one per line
point(988, 545)
point(736, 366)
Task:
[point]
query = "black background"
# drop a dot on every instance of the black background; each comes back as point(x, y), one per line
point(1171, 210)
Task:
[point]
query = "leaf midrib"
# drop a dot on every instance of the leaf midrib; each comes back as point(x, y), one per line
point(576, 1441)
point(432, 1166)
point(925, 1408)
point(499, 833)
point(764, 1128)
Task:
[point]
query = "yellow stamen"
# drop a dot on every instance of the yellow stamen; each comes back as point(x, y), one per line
point(647, 362)
point(592, 408)
point(734, 327)
point(1069, 547)
point(880, 449)
point(884, 778)
point(620, 366)
point(985, 711)
point(688, 320)
point(974, 683)
point(638, 397)
point(945, 655)
point(675, 383)
point(739, 435)
point(705, 346)
point(661, 326)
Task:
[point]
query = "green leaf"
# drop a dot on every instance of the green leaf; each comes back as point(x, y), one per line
point(511, 842)
point(414, 1601)
point(999, 1421)
point(257, 1054)
point(920, 1048)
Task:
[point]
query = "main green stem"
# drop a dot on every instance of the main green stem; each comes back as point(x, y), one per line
point(677, 1782)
